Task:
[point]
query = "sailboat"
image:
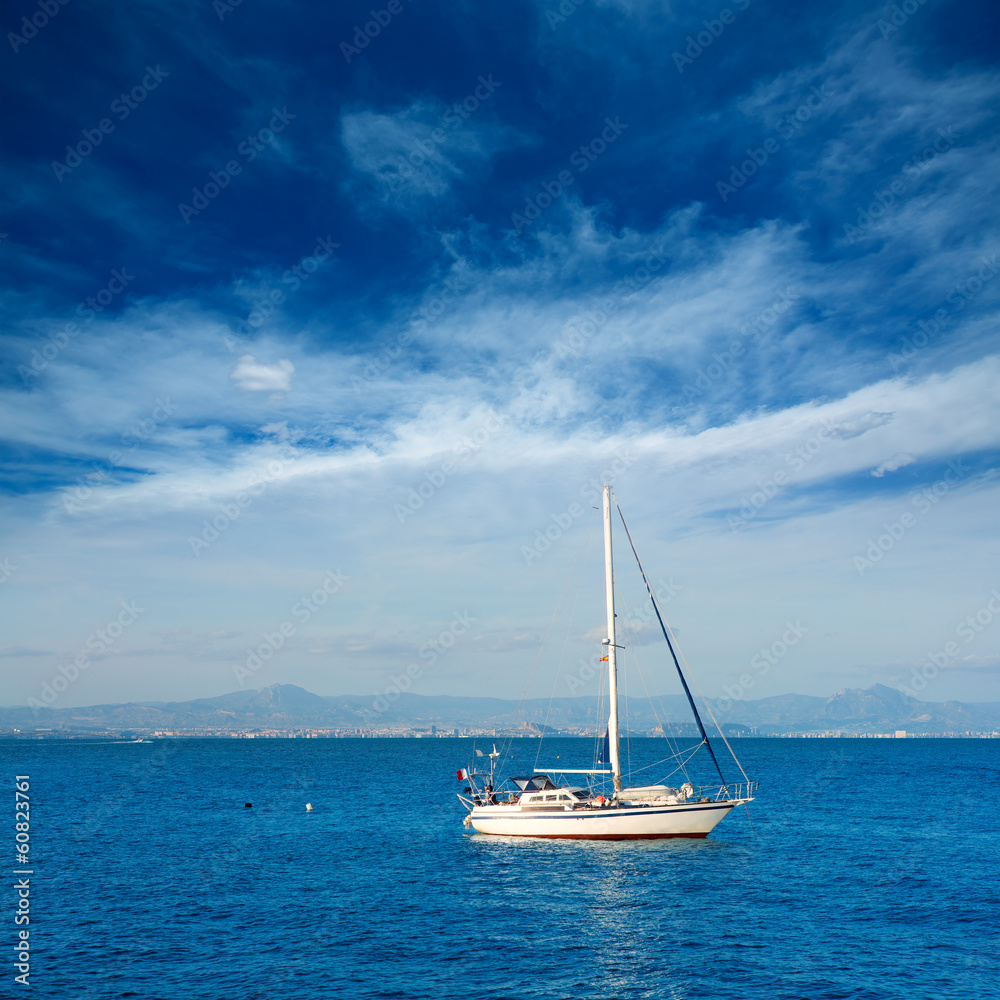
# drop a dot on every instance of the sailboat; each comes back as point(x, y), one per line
point(547, 803)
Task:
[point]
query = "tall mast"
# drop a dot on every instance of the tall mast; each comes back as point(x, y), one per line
point(616, 767)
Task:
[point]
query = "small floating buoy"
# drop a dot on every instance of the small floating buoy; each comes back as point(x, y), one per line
point(248, 805)
point(309, 807)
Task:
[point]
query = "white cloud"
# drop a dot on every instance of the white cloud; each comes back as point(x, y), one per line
point(892, 464)
point(254, 377)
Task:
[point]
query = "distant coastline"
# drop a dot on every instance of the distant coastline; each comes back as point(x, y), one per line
point(288, 711)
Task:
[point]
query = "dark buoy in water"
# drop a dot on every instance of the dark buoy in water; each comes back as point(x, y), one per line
point(248, 805)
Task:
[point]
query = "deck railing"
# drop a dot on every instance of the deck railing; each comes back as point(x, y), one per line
point(719, 793)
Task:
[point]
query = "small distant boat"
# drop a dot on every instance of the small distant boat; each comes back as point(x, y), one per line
point(536, 805)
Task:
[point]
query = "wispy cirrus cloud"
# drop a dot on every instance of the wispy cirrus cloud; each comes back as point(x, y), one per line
point(413, 156)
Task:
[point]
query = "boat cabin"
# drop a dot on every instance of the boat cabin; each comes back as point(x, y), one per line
point(556, 798)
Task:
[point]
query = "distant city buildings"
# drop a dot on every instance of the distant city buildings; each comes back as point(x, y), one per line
point(400, 731)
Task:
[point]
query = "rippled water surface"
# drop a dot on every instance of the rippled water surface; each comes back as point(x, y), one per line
point(873, 873)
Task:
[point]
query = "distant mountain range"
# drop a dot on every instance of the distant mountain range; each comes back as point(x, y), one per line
point(878, 709)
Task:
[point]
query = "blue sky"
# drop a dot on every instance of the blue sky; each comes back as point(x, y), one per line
point(299, 296)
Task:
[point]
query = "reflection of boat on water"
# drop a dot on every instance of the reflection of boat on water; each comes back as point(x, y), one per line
point(538, 805)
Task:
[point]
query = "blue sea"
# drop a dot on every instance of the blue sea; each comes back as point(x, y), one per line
point(870, 871)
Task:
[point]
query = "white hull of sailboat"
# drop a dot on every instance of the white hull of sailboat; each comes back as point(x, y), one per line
point(645, 823)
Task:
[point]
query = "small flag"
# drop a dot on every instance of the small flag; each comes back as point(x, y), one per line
point(462, 775)
point(602, 659)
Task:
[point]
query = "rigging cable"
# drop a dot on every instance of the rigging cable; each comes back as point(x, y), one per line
point(690, 751)
point(666, 635)
point(628, 734)
point(708, 708)
point(632, 640)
